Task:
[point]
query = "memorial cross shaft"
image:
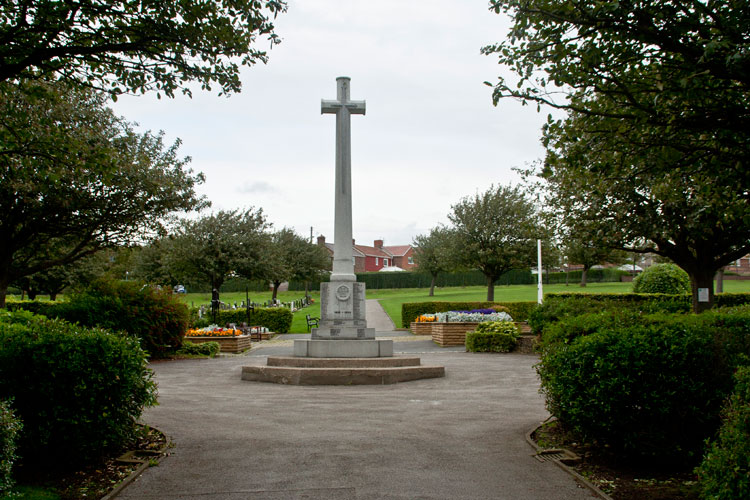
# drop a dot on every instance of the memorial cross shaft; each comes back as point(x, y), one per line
point(343, 108)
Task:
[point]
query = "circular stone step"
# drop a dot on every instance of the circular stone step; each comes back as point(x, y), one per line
point(339, 376)
point(301, 362)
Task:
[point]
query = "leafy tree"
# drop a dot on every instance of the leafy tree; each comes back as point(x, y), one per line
point(582, 249)
point(637, 201)
point(655, 146)
point(218, 246)
point(291, 256)
point(121, 46)
point(74, 179)
point(677, 67)
point(496, 231)
point(434, 253)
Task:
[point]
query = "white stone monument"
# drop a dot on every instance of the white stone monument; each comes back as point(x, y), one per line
point(343, 328)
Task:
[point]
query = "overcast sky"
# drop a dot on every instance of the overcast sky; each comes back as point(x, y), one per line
point(430, 136)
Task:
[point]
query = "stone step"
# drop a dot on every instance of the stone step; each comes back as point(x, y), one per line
point(300, 362)
point(339, 376)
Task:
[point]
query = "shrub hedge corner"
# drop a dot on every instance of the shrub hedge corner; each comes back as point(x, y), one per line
point(78, 391)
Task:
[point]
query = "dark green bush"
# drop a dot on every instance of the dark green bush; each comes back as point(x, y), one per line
point(648, 387)
point(156, 317)
point(276, 319)
point(493, 336)
point(724, 473)
point(78, 391)
point(10, 427)
point(662, 278)
point(519, 311)
point(210, 349)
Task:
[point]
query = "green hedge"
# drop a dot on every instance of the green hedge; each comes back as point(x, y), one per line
point(493, 336)
point(156, 317)
point(557, 306)
point(724, 473)
point(276, 319)
point(10, 427)
point(78, 391)
point(519, 311)
point(210, 349)
point(645, 386)
point(416, 279)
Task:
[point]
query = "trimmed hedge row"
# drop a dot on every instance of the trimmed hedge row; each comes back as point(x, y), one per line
point(156, 317)
point(78, 391)
point(647, 387)
point(276, 319)
point(416, 279)
point(519, 311)
point(557, 306)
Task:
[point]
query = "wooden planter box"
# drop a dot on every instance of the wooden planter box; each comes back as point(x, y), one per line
point(226, 344)
point(448, 334)
point(421, 328)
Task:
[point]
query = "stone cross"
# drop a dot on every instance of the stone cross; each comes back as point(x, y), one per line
point(343, 108)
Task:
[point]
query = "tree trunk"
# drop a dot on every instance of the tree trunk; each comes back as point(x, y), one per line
point(53, 296)
point(720, 281)
point(276, 285)
point(432, 285)
point(567, 271)
point(702, 278)
point(583, 276)
point(3, 294)
point(32, 294)
point(490, 289)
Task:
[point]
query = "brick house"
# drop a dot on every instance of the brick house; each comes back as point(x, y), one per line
point(376, 257)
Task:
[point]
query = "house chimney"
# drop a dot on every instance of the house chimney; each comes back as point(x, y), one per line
point(321, 240)
point(378, 243)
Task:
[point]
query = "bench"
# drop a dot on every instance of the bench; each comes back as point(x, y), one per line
point(311, 322)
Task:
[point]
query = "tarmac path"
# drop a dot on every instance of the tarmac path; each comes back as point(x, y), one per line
point(458, 437)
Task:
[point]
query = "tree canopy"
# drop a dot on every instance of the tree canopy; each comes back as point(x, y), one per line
point(119, 46)
point(74, 178)
point(220, 245)
point(433, 253)
point(496, 231)
point(654, 150)
point(291, 256)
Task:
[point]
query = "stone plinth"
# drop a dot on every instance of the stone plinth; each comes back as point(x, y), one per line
point(343, 348)
point(342, 312)
point(337, 371)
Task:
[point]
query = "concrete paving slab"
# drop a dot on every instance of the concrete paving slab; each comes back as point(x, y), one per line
point(457, 437)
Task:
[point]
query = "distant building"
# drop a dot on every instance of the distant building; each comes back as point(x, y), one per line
point(376, 257)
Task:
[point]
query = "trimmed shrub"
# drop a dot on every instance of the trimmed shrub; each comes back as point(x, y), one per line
point(157, 317)
point(78, 391)
point(519, 311)
point(10, 427)
point(724, 473)
point(276, 319)
point(662, 278)
point(493, 336)
point(210, 349)
point(624, 381)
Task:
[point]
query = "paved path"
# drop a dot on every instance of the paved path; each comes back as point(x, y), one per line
point(458, 437)
point(377, 317)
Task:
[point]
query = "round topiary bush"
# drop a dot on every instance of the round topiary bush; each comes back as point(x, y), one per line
point(662, 278)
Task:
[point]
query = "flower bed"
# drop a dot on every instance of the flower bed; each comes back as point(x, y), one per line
point(233, 344)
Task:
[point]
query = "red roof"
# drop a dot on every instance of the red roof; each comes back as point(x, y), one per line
point(398, 251)
point(373, 252)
